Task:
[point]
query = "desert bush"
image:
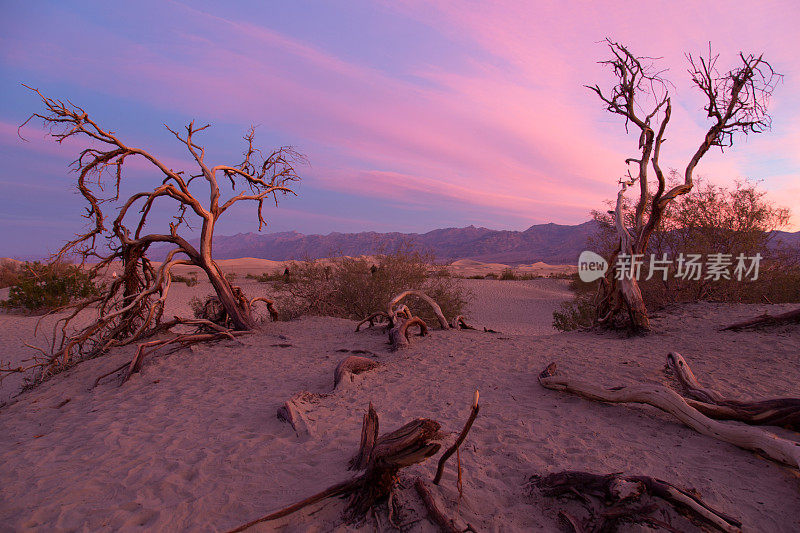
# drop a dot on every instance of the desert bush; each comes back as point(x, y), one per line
point(42, 287)
point(9, 273)
point(508, 274)
point(190, 280)
point(710, 220)
point(353, 287)
point(266, 277)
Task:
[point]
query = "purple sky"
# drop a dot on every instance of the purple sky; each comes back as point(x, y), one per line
point(414, 115)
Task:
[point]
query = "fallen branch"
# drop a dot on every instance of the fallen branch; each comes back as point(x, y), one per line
point(293, 412)
point(790, 317)
point(782, 412)
point(629, 498)
point(747, 437)
point(446, 524)
point(446, 455)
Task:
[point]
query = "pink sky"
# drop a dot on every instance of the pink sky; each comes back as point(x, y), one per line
point(427, 114)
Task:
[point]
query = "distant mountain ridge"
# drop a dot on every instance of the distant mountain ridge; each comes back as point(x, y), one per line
point(549, 243)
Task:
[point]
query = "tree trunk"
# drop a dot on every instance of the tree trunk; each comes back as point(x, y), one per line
point(634, 303)
point(238, 309)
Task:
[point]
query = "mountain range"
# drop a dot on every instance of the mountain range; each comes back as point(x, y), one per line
point(549, 243)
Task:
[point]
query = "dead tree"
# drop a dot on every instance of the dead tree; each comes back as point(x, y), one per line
point(735, 102)
point(747, 437)
point(632, 499)
point(782, 412)
point(130, 308)
point(766, 320)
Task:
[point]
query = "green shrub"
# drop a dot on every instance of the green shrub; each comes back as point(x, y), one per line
point(508, 274)
point(266, 277)
point(42, 287)
point(577, 313)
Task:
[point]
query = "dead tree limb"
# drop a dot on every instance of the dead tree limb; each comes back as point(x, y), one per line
point(463, 435)
point(782, 412)
point(407, 445)
point(445, 524)
point(352, 366)
point(626, 498)
point(392, 310)
point(293, 411)
point(765, 320)
point(378, 316)
point(270, 306)
point(459, 322)
point(746, 437)
point(369, 437)
point(398, 335)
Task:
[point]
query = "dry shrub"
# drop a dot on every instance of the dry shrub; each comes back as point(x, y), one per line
point(9, 273)
point(353, 287)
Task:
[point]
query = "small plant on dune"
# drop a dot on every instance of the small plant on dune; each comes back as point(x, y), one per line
point(42, 287)
point(508, 274)
point(266, 277)
point(190, 280)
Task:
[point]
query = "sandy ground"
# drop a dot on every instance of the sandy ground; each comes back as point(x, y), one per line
point(193, 442)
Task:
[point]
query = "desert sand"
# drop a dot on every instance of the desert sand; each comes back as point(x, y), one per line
point(193, 442)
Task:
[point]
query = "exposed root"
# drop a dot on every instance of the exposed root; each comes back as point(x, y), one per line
point(350, 367)
point(270, 306)
point(746, 437)
point(460, 323)
point(445, 523)
point(629, 499)
point(392, 309)
point(398, 336)
point(379, 316)
point(293, 411)
point(782, 412)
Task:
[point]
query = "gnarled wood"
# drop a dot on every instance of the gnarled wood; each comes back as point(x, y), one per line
point(369, 437)
point(746, 437)
point(412, 443)
point(625, 494)
point(783, 412)
point(765, 320)
point(270, 306)
point(460, 323)
point(293, 411)
point(377, 316)
point(351, 366)
point(398, 336)
point(392, 311)
point(445, 523)
point(463, 435)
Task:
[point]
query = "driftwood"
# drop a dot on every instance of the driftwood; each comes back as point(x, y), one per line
point(445, 523)
point(270, 306)
point(629, 499)
point(747, 437)
point(392, 310)
point(351, 366)
point(369, 437)
point(398, 335)
point(460, 323)
point(410, 444)
point(452, 449)
point(293, 411)
point(782, 412)
point(378, 316)
point(790, 317)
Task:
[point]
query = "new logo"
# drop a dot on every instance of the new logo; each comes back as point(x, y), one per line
point(591, 266)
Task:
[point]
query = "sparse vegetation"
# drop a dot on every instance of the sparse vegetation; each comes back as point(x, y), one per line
point(9, 273)
point(352, 288)
point(40, 287)
point(190, 280)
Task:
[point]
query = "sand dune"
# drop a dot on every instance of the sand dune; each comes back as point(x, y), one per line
point(193, 442)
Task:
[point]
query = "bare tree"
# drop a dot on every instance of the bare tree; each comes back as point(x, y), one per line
point(131, 306)
point(736, 102)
